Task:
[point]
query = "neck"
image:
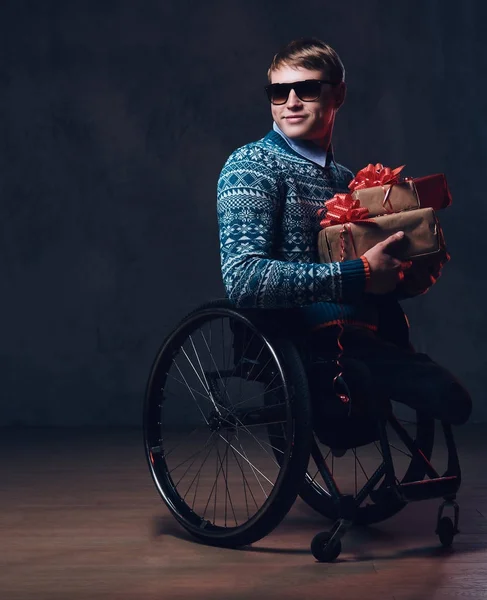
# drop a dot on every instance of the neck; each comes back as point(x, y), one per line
point(324, 141)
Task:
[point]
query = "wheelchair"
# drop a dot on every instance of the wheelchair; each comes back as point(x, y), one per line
point(236, 427)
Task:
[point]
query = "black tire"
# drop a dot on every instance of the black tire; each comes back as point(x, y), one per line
point(324, 550)
point(317, 496)
point(288, 377)
point(446, 531)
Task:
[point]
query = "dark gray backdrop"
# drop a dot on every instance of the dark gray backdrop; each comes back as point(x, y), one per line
point(116, 118)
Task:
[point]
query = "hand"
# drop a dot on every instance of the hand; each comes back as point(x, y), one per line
point(386, 271)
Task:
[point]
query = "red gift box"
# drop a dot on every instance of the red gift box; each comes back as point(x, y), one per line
point(381, 191)
point(433, 191)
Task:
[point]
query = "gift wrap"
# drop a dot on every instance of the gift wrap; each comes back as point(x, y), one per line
point(423, 192)
point(345, 241)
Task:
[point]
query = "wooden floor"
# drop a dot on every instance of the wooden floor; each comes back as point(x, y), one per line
point(81, 519)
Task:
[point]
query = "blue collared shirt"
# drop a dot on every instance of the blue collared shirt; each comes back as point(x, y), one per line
point(308, 149)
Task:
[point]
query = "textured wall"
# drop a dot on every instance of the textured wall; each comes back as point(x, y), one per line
point(115, 120)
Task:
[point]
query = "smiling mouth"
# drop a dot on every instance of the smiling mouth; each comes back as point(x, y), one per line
point(294, 117)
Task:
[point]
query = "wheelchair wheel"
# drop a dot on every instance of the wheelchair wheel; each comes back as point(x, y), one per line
point(220, 398)
point(324, 549)
point(352, 467)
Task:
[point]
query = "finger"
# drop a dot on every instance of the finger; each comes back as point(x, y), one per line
point(395, 237)
point(406, 264)
point(400, 275)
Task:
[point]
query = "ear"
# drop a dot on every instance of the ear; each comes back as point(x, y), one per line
point(340, 93)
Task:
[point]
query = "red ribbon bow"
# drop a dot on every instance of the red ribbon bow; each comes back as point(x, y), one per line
point(374, 175)
point(342, 208)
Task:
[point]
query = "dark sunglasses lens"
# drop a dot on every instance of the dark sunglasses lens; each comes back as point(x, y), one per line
point(308, 90)
point(278, 93)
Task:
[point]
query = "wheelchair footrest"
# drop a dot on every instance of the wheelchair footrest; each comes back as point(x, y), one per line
point(429, 488)
point(420, 490)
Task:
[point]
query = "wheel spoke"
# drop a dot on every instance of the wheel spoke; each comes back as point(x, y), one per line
point(244, 478)
point(360, 464)
point(218, 433)
point(196, 490)
point(217, 474)
point(251, 465)
point(205, 384)
point(402, 451)
point(379, 450)
point(216, 367)
point(242, 355)
point(227, 491)
point(274, 448)
point(369, 458)
point(194, 460)
point(190, 457)
point(260, 442)
point(191, 392)
point(215, 485)
point(189, 387)
point(166, 454)
point(264, 391)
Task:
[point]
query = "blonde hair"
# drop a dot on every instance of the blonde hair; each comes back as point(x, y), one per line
point(309, 53)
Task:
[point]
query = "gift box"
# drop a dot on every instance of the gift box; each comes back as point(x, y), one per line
point(348, 240)
point(423, 192)
point(424, 272)
point(422, 275)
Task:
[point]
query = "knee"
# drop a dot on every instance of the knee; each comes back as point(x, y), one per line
point(458, 404)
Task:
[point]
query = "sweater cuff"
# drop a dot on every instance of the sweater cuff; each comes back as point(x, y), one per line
point(367, 271)
point(353, 278)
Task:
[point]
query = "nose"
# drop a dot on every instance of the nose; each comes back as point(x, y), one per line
point(293, 100)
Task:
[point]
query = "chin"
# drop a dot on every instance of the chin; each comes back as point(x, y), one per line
point(296, 132)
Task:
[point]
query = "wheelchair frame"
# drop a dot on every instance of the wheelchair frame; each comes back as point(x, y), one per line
point(344, 509)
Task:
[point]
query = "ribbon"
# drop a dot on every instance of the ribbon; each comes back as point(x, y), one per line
point(343, 208)
point(375, 175)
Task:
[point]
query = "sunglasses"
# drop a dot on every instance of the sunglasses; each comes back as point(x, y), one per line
point(307, 91)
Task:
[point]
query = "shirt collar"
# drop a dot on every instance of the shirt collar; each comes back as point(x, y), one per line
point(308, 149)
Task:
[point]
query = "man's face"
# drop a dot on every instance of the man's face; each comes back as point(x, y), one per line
point(306, 120)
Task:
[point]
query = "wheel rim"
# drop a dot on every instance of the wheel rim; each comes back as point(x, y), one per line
point(211, 424)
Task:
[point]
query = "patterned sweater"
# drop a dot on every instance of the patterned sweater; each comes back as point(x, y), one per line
point(268, 200)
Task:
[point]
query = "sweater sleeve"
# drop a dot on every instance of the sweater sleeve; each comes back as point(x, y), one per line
point(249, 204)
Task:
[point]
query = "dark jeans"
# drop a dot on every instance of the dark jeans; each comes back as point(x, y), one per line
point(380, 369)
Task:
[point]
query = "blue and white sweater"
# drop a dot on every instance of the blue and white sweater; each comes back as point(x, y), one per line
point(269, 193)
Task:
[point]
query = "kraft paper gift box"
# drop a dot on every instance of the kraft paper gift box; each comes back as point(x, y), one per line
point(423, 236)
point(423, 192)
point(424, 272)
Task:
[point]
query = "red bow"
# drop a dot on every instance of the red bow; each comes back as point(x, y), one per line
point(372, 176)
point(342, 208)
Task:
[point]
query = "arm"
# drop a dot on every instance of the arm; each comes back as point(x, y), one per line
point(250, 199)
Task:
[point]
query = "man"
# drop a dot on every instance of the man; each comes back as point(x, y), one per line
point(269, 193)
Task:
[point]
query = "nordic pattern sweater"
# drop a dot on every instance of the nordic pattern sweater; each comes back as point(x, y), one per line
point(267, 208)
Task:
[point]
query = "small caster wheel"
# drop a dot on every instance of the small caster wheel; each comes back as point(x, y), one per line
point(324, 550)
point(445, 531)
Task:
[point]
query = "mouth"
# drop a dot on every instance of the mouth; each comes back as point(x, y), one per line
point(295, 118)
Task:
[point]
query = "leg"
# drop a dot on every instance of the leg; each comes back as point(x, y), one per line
point(404, 375)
